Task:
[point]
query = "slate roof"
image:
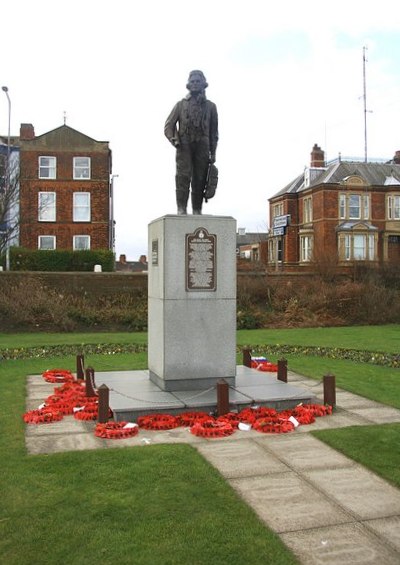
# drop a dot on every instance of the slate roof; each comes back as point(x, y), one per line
point(374, 174)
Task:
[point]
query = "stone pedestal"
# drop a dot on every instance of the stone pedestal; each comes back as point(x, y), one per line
point(192, 301)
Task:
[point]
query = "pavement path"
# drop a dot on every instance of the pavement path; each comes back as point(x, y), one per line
point(325, 507)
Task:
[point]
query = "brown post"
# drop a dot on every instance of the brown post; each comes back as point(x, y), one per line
point(330, 390)
point(222, 397)
point(80, 364)
point(246, 356)
point(282, 370)
point(89, 381)
point(104, 403)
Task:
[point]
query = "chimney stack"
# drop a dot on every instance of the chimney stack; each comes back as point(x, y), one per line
point(26, 132)
point(122, 259)
point(396, 158)
point(317, 157)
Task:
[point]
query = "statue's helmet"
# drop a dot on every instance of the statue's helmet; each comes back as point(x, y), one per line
point(201, 74)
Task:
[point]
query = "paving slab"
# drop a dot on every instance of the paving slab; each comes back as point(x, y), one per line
point(68, 425)
point(286, 502)
point(388, 529)
point(303, 451)
point(378, 414)
point(358, 491)
point(65, 442)
point(349, 544)
point(242, 458)
point(349, 400)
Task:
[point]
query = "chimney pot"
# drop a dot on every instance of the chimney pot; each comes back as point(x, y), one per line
point(26, 132)
point(317, 156)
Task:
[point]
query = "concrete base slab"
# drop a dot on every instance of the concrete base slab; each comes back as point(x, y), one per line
point(339, 545)
point(358, 491)
point(133, 394)
point(286, 502)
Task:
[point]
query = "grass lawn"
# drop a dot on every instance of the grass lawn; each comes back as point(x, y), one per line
point(153, 505)
point(375, 447)
point(371, 338)
point(164, 504)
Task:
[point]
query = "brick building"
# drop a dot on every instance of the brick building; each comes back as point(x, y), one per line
point(65, 190)
point(337, 214)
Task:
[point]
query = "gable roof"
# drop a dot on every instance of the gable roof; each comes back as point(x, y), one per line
point(374, 174)
point(63, 138)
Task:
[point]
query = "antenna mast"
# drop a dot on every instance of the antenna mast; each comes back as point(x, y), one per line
point(365, 104)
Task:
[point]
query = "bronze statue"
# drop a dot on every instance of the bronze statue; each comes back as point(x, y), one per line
point(192, 128)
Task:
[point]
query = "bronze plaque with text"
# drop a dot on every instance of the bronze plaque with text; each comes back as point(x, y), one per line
point(201, 250)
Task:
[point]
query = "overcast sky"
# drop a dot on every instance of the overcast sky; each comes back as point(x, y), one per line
point(284, 75)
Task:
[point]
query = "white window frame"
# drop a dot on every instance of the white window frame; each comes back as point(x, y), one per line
point(52, 237)
point(359, 247)
point(306, 248)
point(307, 210)
point(74, 242)
point(50, 168)
point(277, 210)
point(79, 170)
point(360, 208)
point(393, 207)
point(76, 207)
point(47, 212)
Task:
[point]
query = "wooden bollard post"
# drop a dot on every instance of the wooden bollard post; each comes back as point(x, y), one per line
point(104, 403)
point(282, 370)
point(89, 381)
point(222, 397)
point(246, 357)
point(330, 390)
point(80, 364)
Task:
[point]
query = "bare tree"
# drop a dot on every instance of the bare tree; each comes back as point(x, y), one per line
point(9, 203)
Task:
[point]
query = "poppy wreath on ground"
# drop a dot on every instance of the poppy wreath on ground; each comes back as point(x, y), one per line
point(87, 412)
point(250, 415)
point(302, 415)
point(158, 422)
point(318, 409)
point(212, 428)
point(231, 417)
point(272, 426)
point(116, 430)
point(70, 389)
point(42, 416)
point(262, 364)
point(190, 418)
point(58, 376)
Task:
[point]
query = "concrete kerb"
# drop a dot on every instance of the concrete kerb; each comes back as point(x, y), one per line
point(325, 507)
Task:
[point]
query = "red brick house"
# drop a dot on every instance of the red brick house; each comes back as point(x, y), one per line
point(65, 190)
point(339, 214)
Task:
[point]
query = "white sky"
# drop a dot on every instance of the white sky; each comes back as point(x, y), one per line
point(284, 75)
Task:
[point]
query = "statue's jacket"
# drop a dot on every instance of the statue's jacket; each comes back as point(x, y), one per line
point(177, 123)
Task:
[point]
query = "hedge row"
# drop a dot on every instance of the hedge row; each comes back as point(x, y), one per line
point(22, 259)
point(278, 351)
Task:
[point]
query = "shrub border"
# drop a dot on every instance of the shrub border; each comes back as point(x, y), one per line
point(372, 357)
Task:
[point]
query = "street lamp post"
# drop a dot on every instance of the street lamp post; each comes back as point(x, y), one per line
point(5, 89)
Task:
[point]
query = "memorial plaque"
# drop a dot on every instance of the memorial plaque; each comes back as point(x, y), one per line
point(200, 261)
point(154, 252)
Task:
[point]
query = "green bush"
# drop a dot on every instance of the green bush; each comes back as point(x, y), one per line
point(22, 259)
